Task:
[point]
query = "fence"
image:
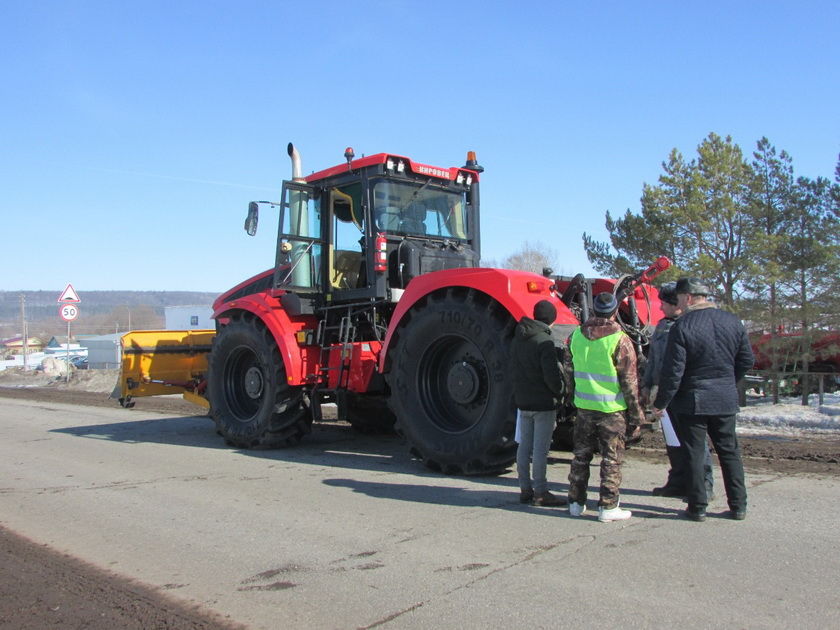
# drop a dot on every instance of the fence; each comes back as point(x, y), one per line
point(777, 384)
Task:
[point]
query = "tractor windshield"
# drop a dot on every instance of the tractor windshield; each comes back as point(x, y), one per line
point(420, 210)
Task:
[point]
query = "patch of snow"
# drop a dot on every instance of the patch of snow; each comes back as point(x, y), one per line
point(790, 417)
point(33, 360)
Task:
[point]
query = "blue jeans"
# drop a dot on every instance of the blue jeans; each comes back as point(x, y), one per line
point(536, 429)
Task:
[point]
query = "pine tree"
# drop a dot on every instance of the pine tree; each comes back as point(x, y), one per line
point(698, 215)
point(813, 257)
point(772, 195)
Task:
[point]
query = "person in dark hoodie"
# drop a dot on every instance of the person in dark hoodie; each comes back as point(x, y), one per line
point(606, 393)
point(538, 387)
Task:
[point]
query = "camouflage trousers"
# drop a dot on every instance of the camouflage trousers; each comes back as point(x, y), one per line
point(602, 433)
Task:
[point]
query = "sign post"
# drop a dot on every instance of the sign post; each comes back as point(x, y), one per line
point(68, 311)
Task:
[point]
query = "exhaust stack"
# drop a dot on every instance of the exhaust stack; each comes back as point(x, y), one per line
point(297, 171)
point(300, 254)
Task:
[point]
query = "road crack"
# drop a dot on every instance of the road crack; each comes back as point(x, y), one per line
point(543, 549)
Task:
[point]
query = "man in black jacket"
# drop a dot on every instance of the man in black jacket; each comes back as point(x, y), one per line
point(678, 475)
point(708, 352)
point(537, 388)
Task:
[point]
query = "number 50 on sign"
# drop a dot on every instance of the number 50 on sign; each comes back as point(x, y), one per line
point(68, 312)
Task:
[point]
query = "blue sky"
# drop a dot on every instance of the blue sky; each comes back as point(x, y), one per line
point(133, 135)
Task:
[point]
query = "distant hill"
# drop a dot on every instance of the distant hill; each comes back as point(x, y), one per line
point(100, 311)
point(44, 304)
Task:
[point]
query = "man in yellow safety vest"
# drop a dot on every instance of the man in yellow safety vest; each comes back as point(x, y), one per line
point(606, 393)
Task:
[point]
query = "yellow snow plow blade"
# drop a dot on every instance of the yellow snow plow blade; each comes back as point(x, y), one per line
point(163, 362)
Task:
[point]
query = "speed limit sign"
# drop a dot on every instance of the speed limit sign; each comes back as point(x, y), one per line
point(68, 312)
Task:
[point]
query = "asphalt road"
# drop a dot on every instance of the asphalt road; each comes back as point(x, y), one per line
point(345, 531)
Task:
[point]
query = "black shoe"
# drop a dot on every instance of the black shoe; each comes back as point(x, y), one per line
point(526, 496)
point(546, 499)
point(737, 515)
point(668, 491)
point(710, 496)
point(695, 515)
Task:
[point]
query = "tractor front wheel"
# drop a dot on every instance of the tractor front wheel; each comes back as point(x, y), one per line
point(450, 387)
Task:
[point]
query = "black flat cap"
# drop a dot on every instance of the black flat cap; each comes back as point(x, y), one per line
point(692, 286)
point(668, 293)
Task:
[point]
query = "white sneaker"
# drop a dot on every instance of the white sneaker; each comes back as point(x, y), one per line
point(577, 509)
point(613, 514)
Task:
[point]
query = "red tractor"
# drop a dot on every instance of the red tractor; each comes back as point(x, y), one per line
point(376, 303)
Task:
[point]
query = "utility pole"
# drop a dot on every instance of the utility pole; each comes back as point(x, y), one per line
point(25, 336)
point(116, 323)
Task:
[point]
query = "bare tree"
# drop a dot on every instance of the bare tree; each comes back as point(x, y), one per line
point(531, 257)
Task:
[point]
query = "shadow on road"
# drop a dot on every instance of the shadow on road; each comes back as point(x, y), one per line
point(335, 445)
point(330, 445)
point(506, 499)
point(193, 431)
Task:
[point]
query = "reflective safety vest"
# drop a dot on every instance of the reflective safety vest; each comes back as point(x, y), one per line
point(596, 379)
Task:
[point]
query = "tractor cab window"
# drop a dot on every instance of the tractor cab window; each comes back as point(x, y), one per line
point(347, 224)
point(300, 241)
point(420, 210)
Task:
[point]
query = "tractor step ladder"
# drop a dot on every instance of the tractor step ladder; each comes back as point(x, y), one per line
point(346, 332)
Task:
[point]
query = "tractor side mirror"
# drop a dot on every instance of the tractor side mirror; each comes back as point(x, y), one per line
point(253, 218)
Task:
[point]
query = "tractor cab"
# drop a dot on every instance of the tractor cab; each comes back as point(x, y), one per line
point(359, 232)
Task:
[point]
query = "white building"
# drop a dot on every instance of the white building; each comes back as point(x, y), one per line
point(195, 317)
point(103, 352)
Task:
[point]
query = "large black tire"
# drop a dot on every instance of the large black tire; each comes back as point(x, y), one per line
point(450, 387)
point(368, 413)
point(250, 401)
point(563, 438)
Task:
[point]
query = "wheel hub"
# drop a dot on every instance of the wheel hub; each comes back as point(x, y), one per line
point(254, 383)
point(463, 382)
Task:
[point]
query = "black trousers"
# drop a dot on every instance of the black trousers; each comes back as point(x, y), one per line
point(679, 475)
point(721, 430)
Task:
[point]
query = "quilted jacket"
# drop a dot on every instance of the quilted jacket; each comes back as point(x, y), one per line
point(707, 353)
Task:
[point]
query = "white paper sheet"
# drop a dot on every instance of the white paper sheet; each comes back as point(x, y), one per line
point(668, 430)
point(517, 435)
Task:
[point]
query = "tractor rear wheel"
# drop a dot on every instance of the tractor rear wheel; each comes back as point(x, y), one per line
point(250, 401)
point(450, 387)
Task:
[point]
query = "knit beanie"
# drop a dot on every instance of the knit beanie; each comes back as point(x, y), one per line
point(545, 312)
point(604, 304)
